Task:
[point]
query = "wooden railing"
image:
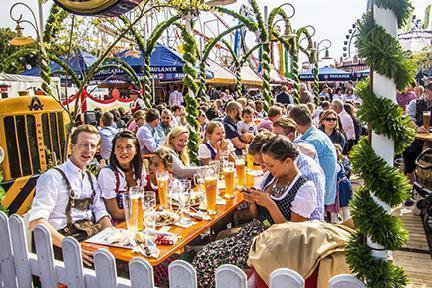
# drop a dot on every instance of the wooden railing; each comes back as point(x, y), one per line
point(18, 266)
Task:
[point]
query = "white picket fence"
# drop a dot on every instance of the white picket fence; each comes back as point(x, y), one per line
point(18, 265)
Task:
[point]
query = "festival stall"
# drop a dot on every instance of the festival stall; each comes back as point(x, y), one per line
point(327, 73)
point(11, 84)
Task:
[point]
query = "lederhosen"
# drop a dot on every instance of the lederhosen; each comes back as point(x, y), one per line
point(414, 150)
point(82, 229)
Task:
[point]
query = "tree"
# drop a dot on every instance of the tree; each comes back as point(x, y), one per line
point(17, 66)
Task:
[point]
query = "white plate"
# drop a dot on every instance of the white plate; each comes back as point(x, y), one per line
point(170, 218)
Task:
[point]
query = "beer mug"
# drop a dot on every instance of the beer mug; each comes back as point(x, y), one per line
point(426, 120)
point(149, 208)
point(228, 171)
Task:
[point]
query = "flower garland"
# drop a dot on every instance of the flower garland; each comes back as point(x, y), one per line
point(190, 56)
point(316, 81)
point(381, 180)
point(265, 55)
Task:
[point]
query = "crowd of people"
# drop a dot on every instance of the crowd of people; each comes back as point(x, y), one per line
point(302, 149)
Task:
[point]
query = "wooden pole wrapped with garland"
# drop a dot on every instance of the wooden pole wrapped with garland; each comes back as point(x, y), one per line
point(315, 80)
point(189, 57)
point(265, 55)
point(384, 187)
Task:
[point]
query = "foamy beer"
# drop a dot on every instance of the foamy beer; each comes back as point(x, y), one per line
point(210, 182)
point(228, 170)
point(240, 170)
point(162, 183)
point(136, 213)
point(250, 161)
point(250, 179)
point(426, 119)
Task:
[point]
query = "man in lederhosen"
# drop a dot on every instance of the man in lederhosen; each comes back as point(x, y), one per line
point(67, 199)
point(415, 110)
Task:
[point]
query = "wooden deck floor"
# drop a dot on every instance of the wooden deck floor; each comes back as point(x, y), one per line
point(415, 256)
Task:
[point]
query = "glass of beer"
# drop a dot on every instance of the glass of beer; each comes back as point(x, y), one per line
point(250, 179)
point(240, 170)
point(162, 179)
point(228, 170)
point(250, 161)
point(210, 182)
point(426, 120)
point(136, 195)
point(131, 220)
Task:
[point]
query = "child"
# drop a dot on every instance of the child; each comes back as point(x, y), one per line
point(247, 125)
point(344, 188)
point(161, 161)
point(215, 145)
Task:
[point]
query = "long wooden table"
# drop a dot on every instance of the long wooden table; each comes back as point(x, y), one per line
point(424, 136)
point(186, 234)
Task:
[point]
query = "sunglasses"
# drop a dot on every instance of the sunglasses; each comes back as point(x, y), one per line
point(330, 119)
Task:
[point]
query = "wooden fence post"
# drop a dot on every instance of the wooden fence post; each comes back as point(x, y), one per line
point(73, 263)
point(345, 280)
point(44, 249)
point(284, 277)
point(228, 275)
point(7, 265)
point(105, 267)
point(141, 273)
point(182, 275)
point(20, 253)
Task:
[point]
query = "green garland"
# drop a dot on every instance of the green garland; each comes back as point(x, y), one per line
point(265, 55)
point(295, 76)
point(381, 180)
point(402, 9)
point(190, 56)
point(383, 53)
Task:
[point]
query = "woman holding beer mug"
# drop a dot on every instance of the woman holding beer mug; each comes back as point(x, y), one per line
point(176, 142)
point(215, 144)
point(288, 197)
point(125, 170)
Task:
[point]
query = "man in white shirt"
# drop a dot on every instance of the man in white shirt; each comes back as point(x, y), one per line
point(147, 134)
point(346, 120)
point(175, 97)
point(67, 195)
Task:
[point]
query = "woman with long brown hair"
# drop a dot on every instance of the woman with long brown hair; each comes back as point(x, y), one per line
point(329, 124)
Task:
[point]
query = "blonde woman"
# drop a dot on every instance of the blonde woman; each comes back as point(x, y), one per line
point(176, 142)
point(215, 144)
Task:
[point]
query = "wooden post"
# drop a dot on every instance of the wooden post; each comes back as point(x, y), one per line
point(385, 87)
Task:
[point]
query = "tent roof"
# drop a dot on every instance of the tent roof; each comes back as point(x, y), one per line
point(415, 40)
point(249, 77)
point(79, 63)
point(221, 75)
point(276, 77)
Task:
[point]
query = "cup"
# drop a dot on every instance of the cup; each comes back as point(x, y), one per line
point(131, 219)
point(162, 179)
point(250, 178)
point(215, 165)
point(240, 170)
point(200, 184)
point(136, 194)
point(184, 196)
point(210, 182)
point(149, 208)
point(228, 170)
point(426, 120)
point(249, 161)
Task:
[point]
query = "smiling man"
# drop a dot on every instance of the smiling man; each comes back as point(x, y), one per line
point(67, 198)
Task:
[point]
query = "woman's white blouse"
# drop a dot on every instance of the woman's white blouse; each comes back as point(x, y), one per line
point(107, 182)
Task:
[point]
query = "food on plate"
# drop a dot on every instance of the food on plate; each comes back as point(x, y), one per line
point(166, 218)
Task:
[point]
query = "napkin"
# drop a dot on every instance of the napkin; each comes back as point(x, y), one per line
point(185, 225)
point(220, 201)
point(149, 249)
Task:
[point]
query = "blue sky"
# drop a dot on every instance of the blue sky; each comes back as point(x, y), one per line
point(331, 18)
